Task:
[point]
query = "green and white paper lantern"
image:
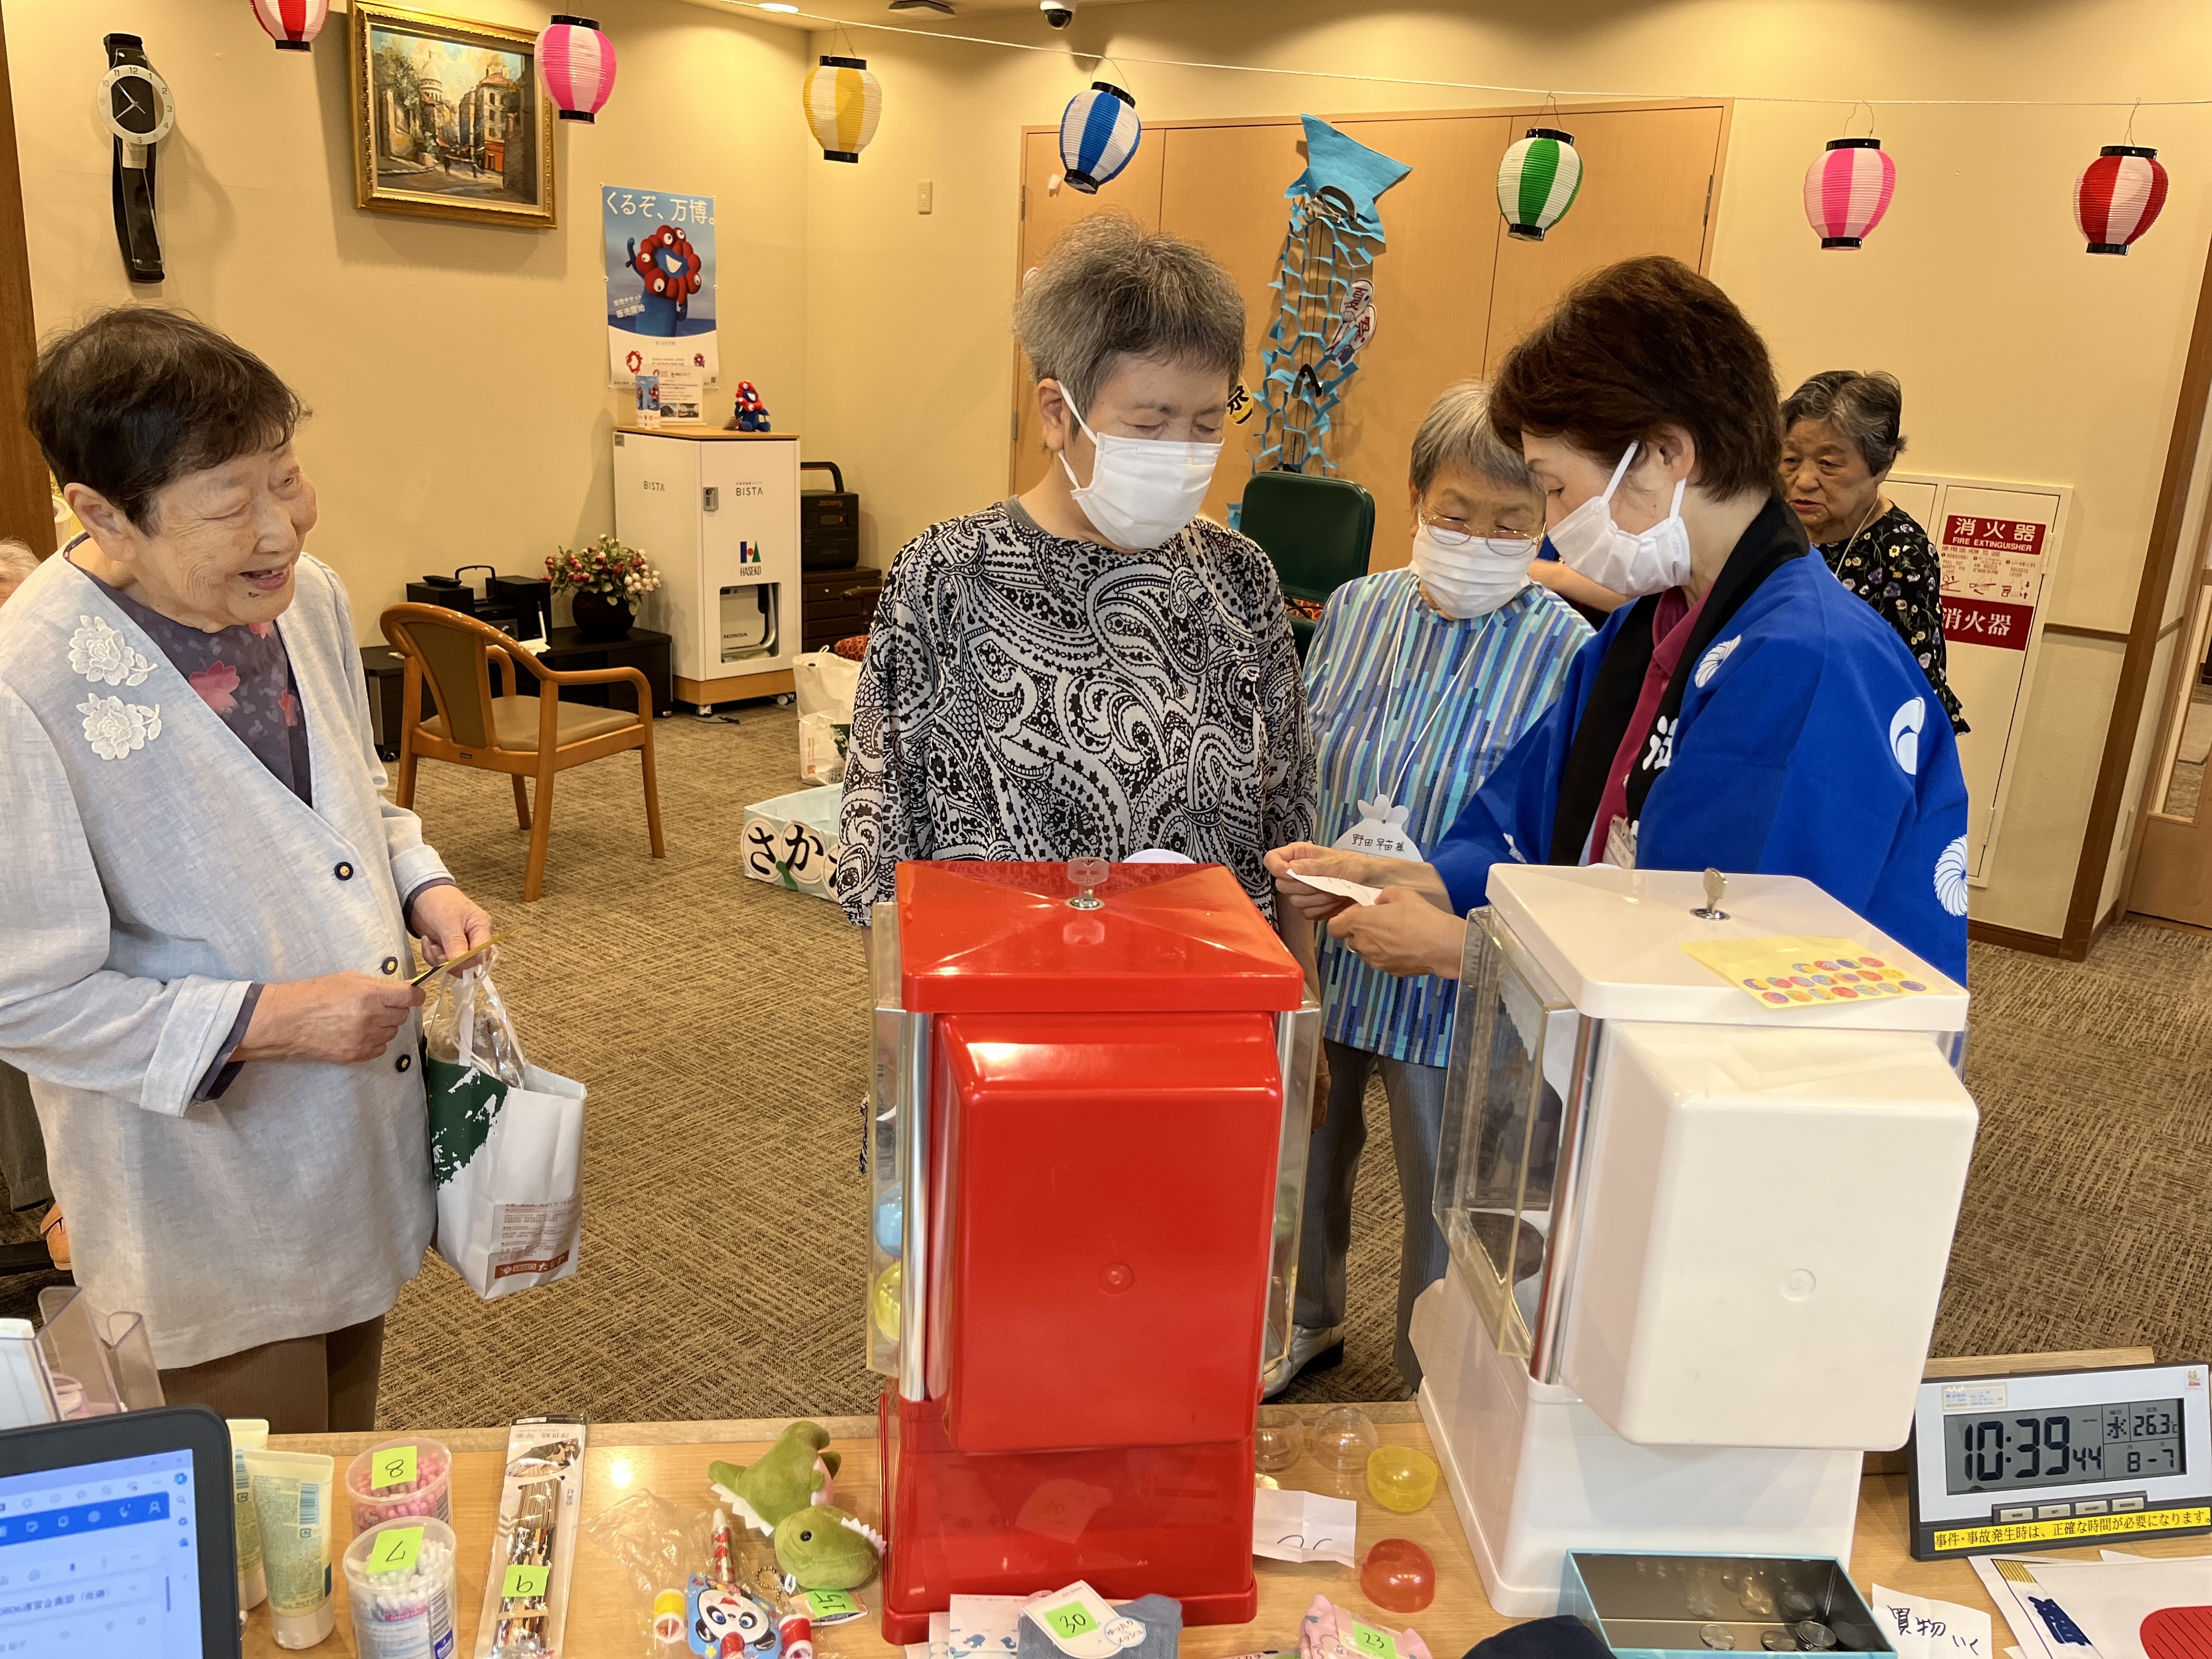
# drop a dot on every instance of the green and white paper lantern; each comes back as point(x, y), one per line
point(1537, 182)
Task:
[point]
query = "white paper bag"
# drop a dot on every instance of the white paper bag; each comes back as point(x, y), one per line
point(825, 683)
point(508, 1158)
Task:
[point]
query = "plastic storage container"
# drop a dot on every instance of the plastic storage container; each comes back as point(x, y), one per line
point(405, 1613)
point(427, 1495)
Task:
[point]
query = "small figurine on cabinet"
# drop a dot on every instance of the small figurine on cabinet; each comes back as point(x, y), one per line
point(752, 413)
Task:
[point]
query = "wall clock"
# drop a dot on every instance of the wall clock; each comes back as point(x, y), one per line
point(139, 110)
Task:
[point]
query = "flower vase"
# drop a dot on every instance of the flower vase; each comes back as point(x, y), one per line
point(600, 619)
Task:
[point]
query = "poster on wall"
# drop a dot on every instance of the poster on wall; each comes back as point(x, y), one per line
point(660, 247)
point(1999, 545)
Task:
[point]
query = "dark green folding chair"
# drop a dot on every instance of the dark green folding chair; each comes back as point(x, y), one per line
point(1318, 532)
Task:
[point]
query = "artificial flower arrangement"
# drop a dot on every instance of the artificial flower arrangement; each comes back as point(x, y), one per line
point(605, 566)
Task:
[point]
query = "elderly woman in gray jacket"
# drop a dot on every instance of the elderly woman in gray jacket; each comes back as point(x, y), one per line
point(207, 904)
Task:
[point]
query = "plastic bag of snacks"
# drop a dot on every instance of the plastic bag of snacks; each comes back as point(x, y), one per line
point(506, 1143)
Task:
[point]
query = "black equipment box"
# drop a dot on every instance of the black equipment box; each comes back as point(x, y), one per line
point(829, 522)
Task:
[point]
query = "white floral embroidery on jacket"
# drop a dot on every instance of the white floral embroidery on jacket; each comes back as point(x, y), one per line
point(114, 727)
point(104, 657)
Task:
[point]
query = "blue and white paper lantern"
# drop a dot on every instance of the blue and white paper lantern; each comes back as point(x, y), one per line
point(1099, 134)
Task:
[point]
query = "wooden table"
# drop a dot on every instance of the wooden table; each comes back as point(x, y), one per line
point(672, 1459)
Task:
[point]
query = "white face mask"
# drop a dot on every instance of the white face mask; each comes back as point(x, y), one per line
point(1469, 575)
point(1142, 490)
point(1633, 562)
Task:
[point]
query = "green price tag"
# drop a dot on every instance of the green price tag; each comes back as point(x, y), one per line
point(396, 1550)
point(1376, 1643)
point(522, 1582)
point(830, 1604)
point(392, 1467)
point(1071, 1619)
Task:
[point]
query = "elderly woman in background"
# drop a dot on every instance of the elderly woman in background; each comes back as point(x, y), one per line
point(1091, 669)
point(1840, 439)
point(1419, 680)
point(23, 1149)
point(207, 903)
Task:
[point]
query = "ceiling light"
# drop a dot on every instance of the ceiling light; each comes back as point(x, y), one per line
point(776, 5)
point(942, 7)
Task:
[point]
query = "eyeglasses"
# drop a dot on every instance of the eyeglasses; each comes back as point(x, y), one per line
point(1458, 532)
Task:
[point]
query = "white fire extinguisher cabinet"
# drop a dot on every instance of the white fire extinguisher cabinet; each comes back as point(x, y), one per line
point(717, 513)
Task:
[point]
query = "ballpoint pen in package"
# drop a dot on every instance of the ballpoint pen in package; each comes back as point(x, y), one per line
point(525, 1606)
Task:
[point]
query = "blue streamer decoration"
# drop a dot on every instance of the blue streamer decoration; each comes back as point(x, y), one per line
point(1324, 300)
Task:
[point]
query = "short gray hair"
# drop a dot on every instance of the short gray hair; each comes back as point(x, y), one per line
point(1110, 289)
point(1864, 408)
point(1457, 432)
point(16, 560)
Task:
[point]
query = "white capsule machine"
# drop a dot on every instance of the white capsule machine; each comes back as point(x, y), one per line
point(1696, 1243)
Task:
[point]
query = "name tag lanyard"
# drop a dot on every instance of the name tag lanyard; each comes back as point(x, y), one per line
point(1380, 709)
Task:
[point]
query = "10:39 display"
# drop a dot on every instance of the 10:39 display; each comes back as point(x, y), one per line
point(2001, 1451)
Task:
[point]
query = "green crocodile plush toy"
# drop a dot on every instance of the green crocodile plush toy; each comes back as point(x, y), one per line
point(822, 1547)
point(793, 1474)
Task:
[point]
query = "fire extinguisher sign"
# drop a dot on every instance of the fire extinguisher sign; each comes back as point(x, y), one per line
point(1999, 545)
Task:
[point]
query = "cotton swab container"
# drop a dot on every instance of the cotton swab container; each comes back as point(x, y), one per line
point(427, 1494)
point(406, 1614)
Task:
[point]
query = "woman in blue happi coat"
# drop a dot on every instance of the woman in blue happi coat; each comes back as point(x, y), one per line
point(1744, 712)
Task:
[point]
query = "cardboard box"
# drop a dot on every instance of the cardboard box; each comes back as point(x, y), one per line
point(792, 840)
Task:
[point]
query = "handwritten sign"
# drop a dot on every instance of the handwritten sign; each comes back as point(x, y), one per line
point(390, 1466)
point(397, 1550)
point(521, 1582)
point(1367, 1640)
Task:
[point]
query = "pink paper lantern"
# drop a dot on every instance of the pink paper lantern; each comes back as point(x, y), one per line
point(577, 63)
point(292, 24)
point(1847, 189)
point(2118, 196)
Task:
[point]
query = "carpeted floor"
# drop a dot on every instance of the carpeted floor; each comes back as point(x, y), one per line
point(719, 1024)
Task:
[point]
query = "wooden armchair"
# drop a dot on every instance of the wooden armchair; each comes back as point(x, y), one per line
point(525, 736)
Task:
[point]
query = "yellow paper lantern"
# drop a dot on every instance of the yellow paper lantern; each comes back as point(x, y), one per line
point(843, 103)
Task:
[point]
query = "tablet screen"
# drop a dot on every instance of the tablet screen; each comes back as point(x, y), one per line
point(102, 1557)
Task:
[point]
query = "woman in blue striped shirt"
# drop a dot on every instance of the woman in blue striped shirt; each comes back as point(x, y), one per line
point(1418, 681)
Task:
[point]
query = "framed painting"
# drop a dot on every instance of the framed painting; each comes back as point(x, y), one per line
point(449, 119)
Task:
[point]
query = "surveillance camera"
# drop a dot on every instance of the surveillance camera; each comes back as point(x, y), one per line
point(1058, 13)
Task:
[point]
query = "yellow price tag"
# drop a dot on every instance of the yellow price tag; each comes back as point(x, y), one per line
point(392, 1467)
point(397, 1550)
point(521, 1582)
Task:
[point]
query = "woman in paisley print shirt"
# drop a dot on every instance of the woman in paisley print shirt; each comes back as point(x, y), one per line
point(1840, 439)
point(1091, 669)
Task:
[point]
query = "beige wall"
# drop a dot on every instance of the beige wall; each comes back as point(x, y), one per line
point(457, 371)
point(2023, 358)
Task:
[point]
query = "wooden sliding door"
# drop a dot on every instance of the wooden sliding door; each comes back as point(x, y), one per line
point(1452, 292)
point(1648, 176)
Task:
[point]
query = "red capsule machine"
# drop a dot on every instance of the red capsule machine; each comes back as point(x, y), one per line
point(1087, 1196)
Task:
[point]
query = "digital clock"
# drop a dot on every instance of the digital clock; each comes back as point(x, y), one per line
point(2060, 1458)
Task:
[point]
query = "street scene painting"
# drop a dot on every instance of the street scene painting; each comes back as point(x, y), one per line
point(449, 119)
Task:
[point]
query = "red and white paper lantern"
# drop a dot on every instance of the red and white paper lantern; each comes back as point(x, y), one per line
point(2119, 196)
point(577, 63)
point(292, 24)
point(1848, 190)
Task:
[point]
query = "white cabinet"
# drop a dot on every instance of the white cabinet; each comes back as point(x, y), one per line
point(717, 513)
